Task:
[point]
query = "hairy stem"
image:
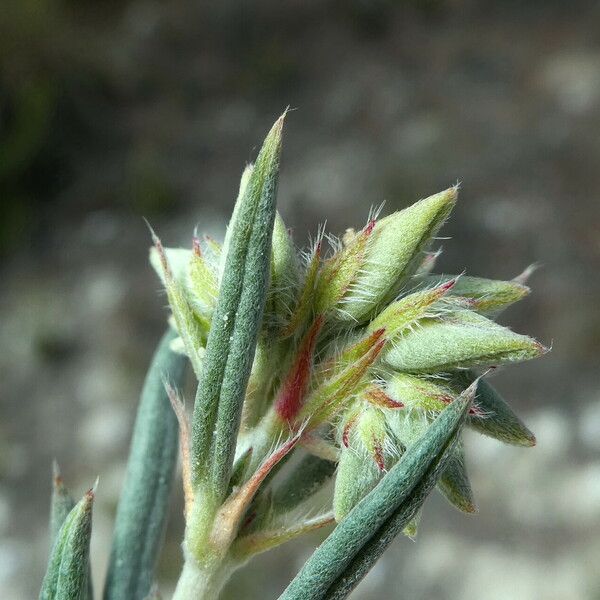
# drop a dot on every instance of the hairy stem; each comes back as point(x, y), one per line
point(203, 582)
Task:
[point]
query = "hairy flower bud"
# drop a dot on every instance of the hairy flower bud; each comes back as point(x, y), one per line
point(366, 453)
point(393, 254)
point(463, 339)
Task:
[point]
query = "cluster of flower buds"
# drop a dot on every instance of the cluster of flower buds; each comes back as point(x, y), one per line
point(349, 361)
point(361, 346)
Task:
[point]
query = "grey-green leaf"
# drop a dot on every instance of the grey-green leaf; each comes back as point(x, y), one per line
point(497, 419)
point(61, 505)
point(236, 322)
point(143, 506)
point(403, 490)
point(67, 574)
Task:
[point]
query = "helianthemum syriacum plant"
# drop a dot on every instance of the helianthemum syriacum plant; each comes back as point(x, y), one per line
point(333, 386)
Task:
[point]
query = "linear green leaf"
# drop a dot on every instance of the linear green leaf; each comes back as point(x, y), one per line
point(142, 510)
point(236, 322)
point(402, 518)
point(61, 505)
point(406, 485)
point(67, 574)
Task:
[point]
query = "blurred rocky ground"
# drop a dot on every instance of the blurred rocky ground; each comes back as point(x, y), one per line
point(110, 112)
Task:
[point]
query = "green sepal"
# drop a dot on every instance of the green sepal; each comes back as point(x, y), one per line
point(191, 325)
point(420, 393)
point(339, 273)
point(202, 283)
point(497, 419)
point(285, 278)
point(67, 574)
point(487, 296)
point(462, 339)
point(395, 500)
point(306, 295)
point(236, 322)
point(178, 259)
point(454, 483)
point(409, 310)
point(192, 274)
point(143, 505)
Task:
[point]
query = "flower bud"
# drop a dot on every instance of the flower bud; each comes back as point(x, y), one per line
point(463, 339)
point(363, 459)
point(393, 254)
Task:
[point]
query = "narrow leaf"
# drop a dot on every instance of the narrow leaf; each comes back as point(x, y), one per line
point(67, 574)
point(142, 510)
point(408, 482)
point(236, 322)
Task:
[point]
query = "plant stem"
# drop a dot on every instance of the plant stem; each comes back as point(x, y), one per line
point(203, 582)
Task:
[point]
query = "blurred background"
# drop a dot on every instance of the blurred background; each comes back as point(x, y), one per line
point(114, 111)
